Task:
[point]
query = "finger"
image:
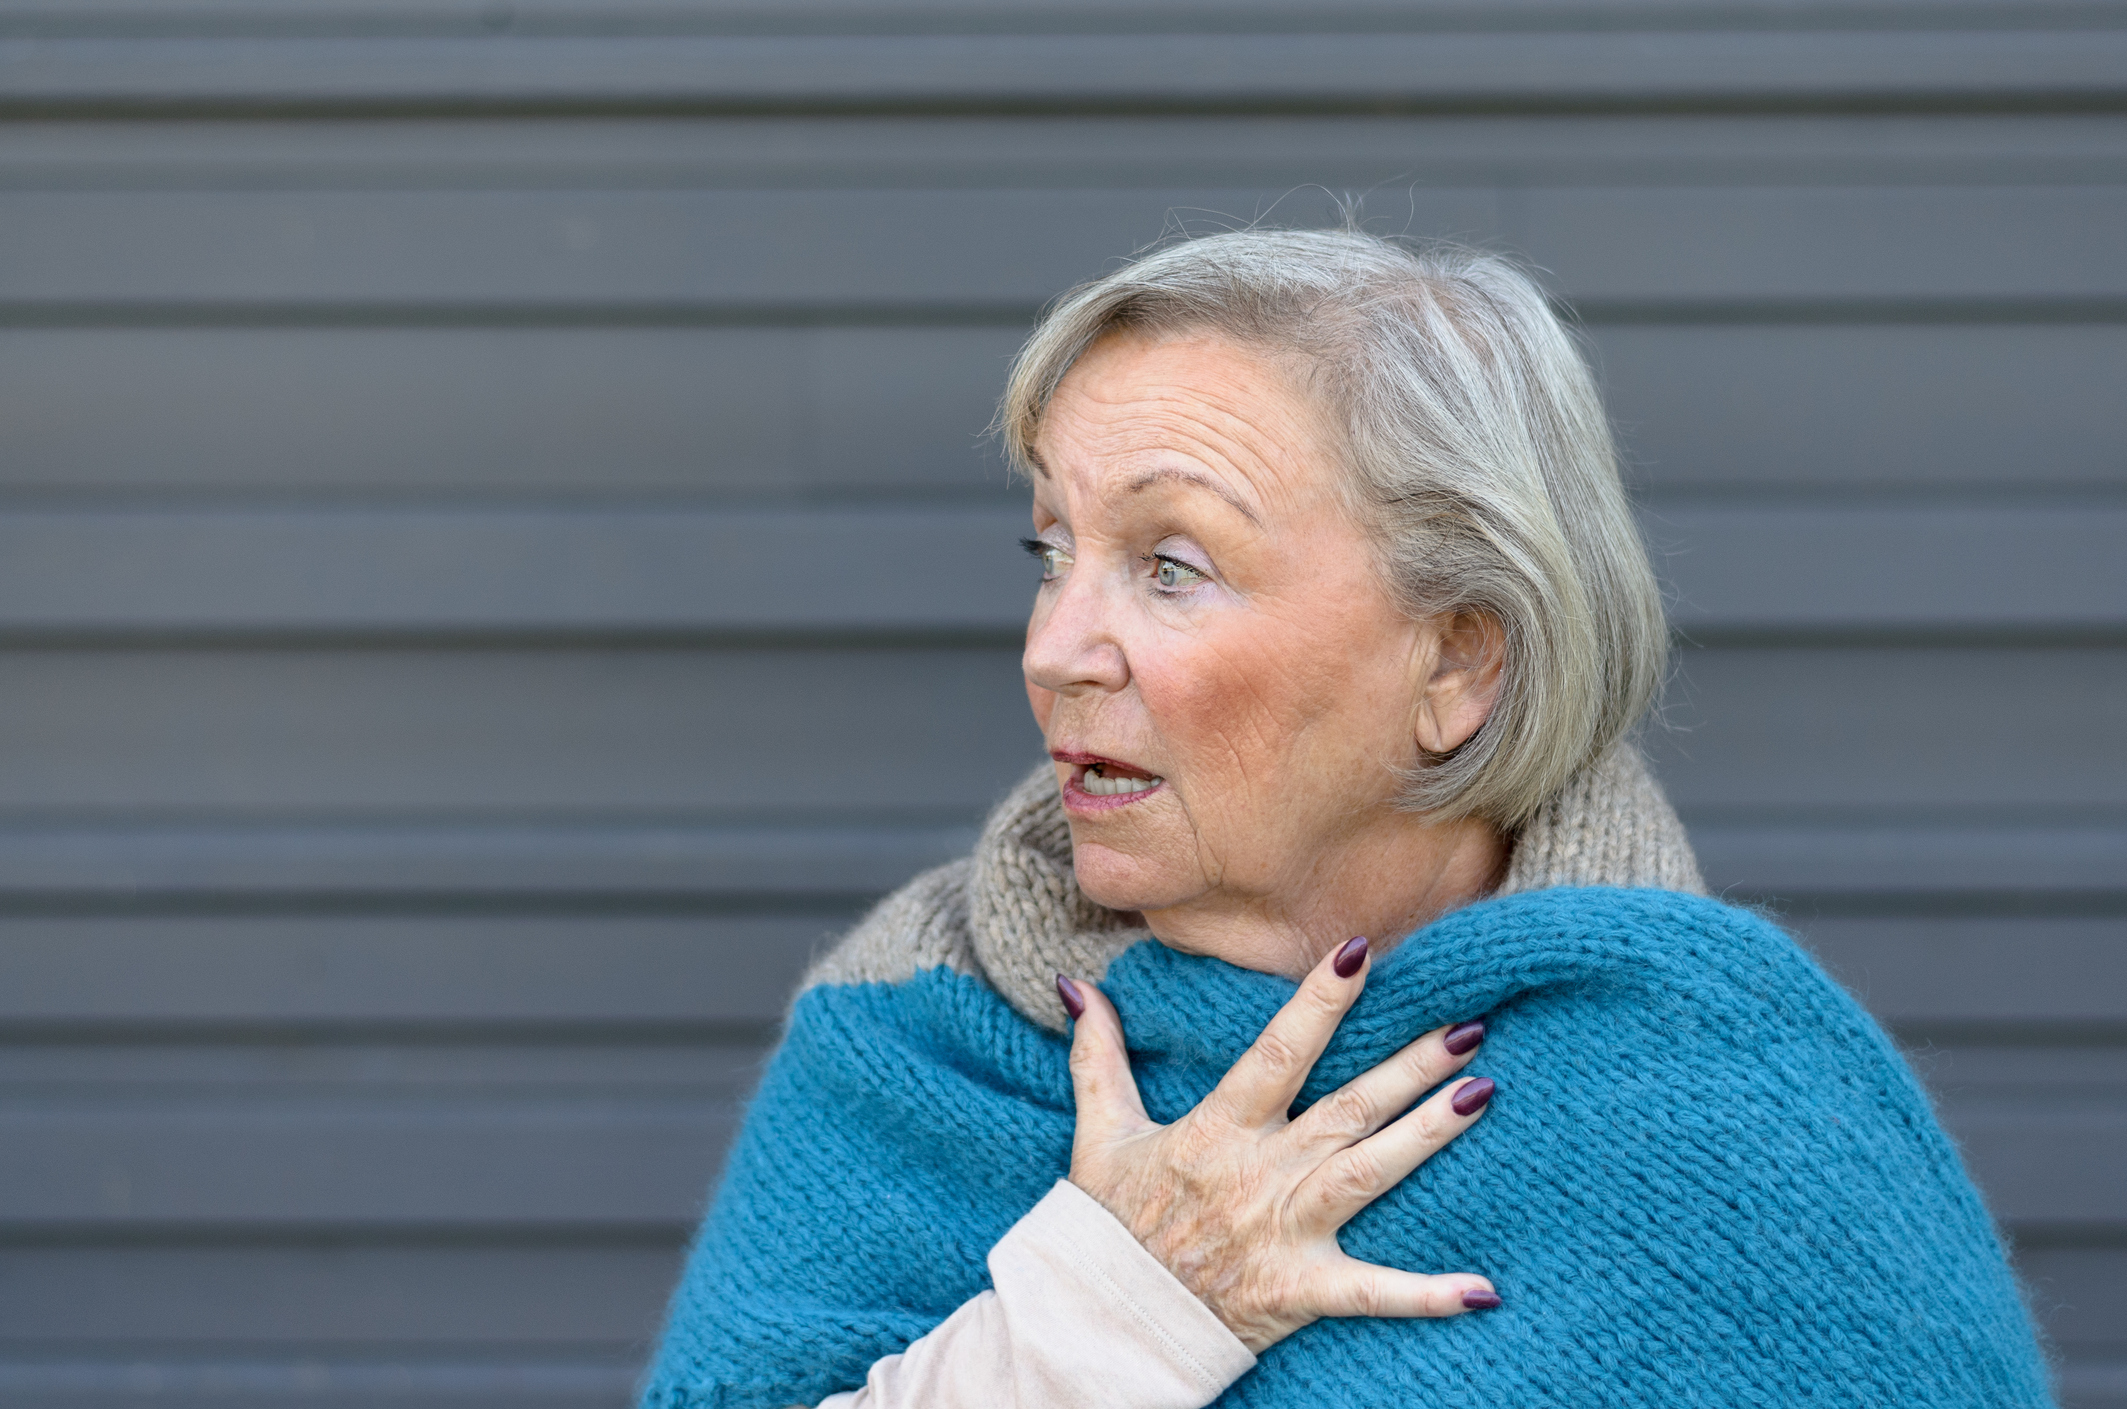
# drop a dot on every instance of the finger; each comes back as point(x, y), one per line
point(1260, 1087)
point(1347, 1287)
point(1370, 1101)
point(1101, 1081)
point(1352, 1178)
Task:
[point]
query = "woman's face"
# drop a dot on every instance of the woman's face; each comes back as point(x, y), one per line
point(1223, 679)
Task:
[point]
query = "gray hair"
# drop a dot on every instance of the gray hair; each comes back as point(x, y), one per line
point(1480, 459)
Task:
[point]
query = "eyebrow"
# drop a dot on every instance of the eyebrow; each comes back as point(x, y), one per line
point(1202, 481)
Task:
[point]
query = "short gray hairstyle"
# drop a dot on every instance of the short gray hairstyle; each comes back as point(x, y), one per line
point(1479, 456)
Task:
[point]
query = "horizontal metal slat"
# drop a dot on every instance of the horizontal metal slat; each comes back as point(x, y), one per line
point(303, 862)
point(656, 251)
point(415, 1299)
point(1166, 70)
point(721, 736)
point(459, 1383)
point(2099, 1382)
point(584, 412)
point(463, 971)
point(2079, 1293)
point(415, 858)
point(618, 1163)
point(575, 569)
point(2011, 408)
point(293, 1062)
point(2019, 409)
point(1829, 857)
point(1892, 568)
point(327, 1384)
point(586, 569)
point(612, 968)
point(2048, 1166)
point(1274, 151)
point(1654, 248)
point(1931, 971)
point(572, 412)
point(396, 1381)
point(1018, 16)
point(531, 1297)
point(668, 252)
point(612, 1163)
point(583, 735)
point(1947, 735)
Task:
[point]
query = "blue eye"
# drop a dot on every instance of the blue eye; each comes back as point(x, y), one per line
point(1053, 559)
point(1169, 573)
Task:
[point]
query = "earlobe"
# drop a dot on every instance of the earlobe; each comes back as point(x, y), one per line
point(1469, 658)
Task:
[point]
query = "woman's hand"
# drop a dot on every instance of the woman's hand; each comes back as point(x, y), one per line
point(1242, 1204)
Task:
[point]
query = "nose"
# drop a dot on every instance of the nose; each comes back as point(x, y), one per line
point(1072, 647)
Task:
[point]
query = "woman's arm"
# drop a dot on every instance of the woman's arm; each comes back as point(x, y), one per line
point(1079, 1312)
point(1175, 1252)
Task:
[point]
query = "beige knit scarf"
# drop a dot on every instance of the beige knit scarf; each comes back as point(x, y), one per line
point(1012, 914)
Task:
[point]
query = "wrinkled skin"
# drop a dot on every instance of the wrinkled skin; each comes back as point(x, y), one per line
point(1213, 627)
point(1277, 688)
point(1243, 1205)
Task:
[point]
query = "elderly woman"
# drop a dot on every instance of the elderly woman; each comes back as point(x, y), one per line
point(1342, 626)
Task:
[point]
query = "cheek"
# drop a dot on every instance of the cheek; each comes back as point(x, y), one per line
point(1291, 706)
point(1043, 703)
point(1214, 700)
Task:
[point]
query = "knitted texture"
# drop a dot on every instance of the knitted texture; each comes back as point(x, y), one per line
point(1610, 825)
point(1707, 1179)
point(1013, 914)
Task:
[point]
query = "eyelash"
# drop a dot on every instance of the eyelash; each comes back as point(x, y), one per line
point(1153, 560)
point(1039, 552)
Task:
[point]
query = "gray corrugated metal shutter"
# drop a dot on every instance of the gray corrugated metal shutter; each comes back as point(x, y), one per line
point(495, 563)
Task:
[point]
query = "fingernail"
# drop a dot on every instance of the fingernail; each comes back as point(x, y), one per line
point(1350, 957)
point(1074, 1002)
point(1463, 1037)
point(1481, 1301)
point(1471, 1098)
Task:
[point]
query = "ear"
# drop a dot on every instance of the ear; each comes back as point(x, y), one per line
point(1469, 657)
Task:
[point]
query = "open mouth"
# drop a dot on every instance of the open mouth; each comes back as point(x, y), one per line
point(1098, 781)
point(1105, 782)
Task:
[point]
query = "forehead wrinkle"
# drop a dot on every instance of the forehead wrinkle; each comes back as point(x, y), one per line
point(1169, 474)
point(1251, 423)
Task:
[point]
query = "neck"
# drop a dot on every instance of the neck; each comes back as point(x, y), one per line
point(1384, 891)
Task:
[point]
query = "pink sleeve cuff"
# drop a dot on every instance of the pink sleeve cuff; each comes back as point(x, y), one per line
point(1080, 1313)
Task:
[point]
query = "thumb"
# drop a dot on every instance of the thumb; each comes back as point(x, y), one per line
point(1106, 1092)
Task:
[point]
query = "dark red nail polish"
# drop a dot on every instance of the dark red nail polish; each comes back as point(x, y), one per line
point(1471, 1098)
point(1463, 1037)
point(1481, 1301)
point(1074, 1002)
point(1350, 957)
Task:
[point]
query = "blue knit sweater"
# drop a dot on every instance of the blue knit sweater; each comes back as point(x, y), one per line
point(1707, 1179)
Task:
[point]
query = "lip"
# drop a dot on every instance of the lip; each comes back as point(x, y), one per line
point(1077, 800)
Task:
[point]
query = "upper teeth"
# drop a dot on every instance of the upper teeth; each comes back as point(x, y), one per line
point(1101, 785)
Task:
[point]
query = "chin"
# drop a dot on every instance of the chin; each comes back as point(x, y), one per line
point(1121, 881)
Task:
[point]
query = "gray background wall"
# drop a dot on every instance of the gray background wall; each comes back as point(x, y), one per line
point(495, 564)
